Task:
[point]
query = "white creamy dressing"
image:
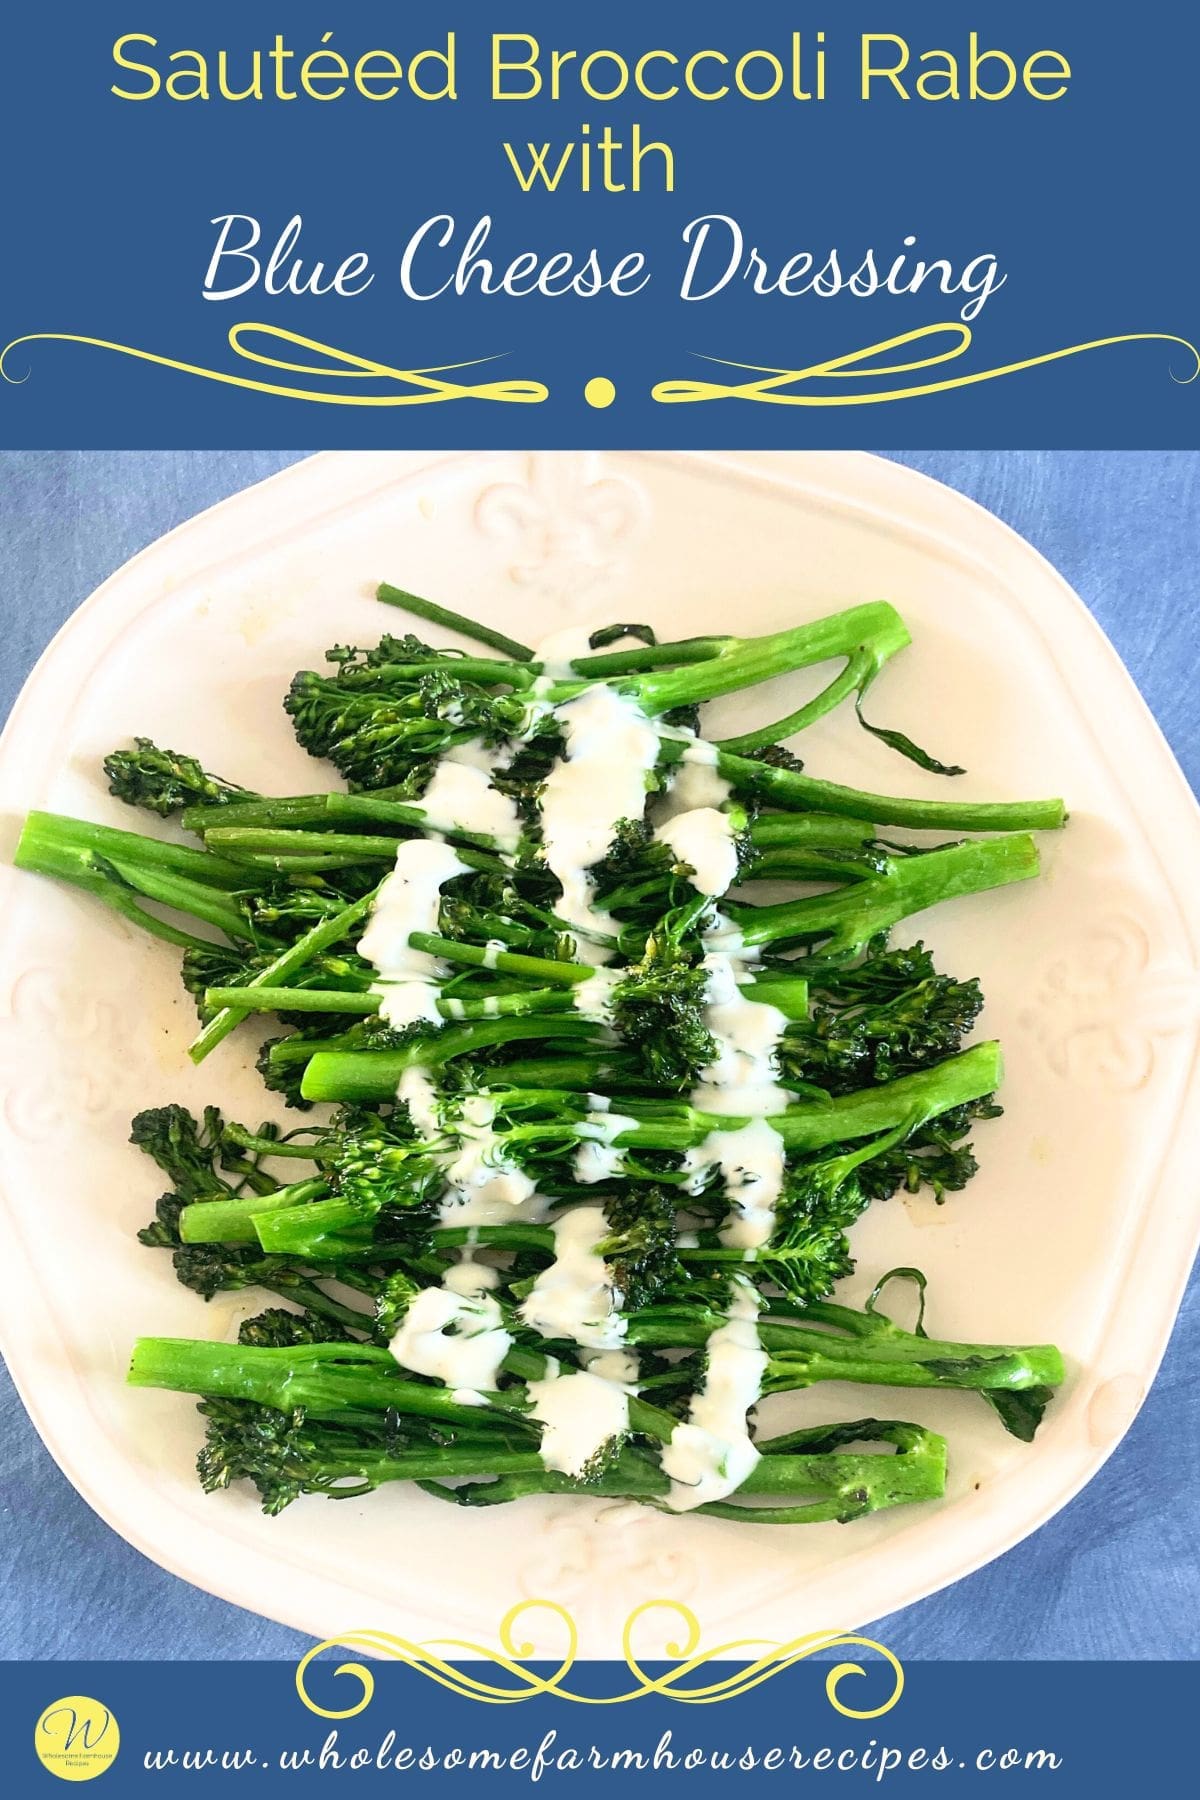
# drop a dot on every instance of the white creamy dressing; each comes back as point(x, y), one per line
point(593, 997)
point(558, 651)
point(420, 1096)
point(409, 900)
point(579, 1413)
point(455, 1338)
point(610, 748)
point(488, 1187)
point(597, 1158)
point(454, 1333)
point(476, 754)
point(703, 840)
point(483, 1187)
point(457, 1009)
point(461, 797)
point(693, 782)
point(469, 1277)
point(614, 1365)
point(573, 1298)
point(741, 1077)
point(751, 1164)
point(711, 1454)
point(724, 937)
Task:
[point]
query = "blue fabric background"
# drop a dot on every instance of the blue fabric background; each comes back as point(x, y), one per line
point(1117, 1574)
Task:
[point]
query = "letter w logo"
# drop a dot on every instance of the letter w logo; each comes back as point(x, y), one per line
point(84, 1733)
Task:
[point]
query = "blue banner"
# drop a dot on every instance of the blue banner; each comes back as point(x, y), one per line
point(1023, 1728)
point(872, 224)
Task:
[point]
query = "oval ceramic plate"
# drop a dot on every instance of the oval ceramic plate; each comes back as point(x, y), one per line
point(1091, 977)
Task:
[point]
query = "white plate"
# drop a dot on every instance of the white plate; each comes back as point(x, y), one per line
point(1080, 1228)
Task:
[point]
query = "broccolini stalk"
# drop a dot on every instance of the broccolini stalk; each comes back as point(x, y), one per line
point(231, 1221)
point(97, 876)
point(863, 1346)
point(878, 629)
point(328, 1381)
point(373, 1075)
point(285, 810)
point(843, 1486)
point(549, 1125)
point(388, 709)
point(346, 1384)
point(852, 916)
point(43, 832)
point(533, 1002)
point(452, 621)
point(326, 932)
point(873, 1350)
point(875, 630)
point(290, 847)
point(792, 790)
point(122, 869)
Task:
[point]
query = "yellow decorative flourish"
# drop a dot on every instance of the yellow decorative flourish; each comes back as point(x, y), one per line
point(769, 384)
point(758, 1660)
point(421, 387)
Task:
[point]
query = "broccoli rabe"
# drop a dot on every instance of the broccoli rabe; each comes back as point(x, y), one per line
point(620, 1048)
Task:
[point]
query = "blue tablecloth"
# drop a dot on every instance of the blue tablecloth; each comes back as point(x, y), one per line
point(1117, 1574)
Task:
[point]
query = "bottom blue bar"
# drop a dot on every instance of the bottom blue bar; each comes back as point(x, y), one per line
point(1060, 1728)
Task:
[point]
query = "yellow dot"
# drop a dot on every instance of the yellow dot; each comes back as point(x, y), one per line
point(600, 391)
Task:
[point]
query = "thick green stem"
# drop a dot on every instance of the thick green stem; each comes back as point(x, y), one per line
point(875, 1352)
point(42, 829)
point(452, 621)
point(363, 1075)
point(95, 875)
point(320, 937)
point(232, 1221)
point(842, 1486)
point(328, 1380)
point(526, 1003)
point(193, 898)
point(815, 1124)
point(288, 845)
point(851, 916)
point(743, 662)
point(289, 810)
point(480, 956)
point(284, 999)
point(794, 791)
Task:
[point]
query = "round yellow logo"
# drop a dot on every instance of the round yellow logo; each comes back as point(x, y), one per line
point(76, 1738)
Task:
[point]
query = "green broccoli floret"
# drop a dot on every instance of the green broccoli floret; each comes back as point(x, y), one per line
point(164, 782)
point(640, 1246)
point(658, 1008)
point(376, 1161)
point(279, 1328)
point(389, 651)
point(845, 1047)
point(162, 1233)
point(189, 1153)
point(388, 711)
point(933, 1156)
point(776, 757)
point(282, 1076)
point(286, 1454)
point(392, 1302)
